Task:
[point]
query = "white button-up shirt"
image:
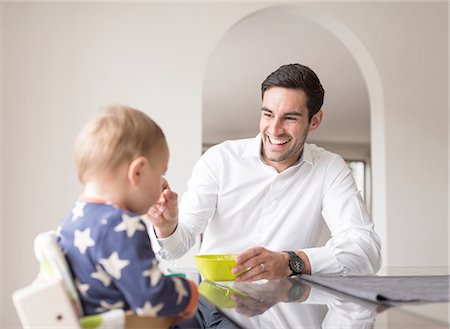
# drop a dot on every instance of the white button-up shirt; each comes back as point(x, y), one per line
point(239, 202)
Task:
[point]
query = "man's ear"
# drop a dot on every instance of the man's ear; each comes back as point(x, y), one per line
point(315, 121)
point(135, 170)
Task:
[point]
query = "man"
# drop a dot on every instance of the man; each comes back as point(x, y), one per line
point(267, 198)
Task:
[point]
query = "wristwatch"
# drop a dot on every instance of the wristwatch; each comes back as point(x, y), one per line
point(295, 263)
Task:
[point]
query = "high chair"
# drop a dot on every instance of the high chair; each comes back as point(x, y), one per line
point(52, 300)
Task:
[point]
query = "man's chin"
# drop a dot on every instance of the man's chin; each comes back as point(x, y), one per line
point(274, 156)
point(277, 159)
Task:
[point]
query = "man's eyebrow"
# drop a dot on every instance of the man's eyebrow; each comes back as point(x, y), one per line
point(265, 109)
point(297, 114)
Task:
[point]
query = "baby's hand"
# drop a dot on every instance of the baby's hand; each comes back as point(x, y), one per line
point(192, 307)
point(164, 213)
point(185, 315)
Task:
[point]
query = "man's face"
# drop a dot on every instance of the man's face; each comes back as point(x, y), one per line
point(284, 126)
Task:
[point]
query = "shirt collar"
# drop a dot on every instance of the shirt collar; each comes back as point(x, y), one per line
point(253, 149)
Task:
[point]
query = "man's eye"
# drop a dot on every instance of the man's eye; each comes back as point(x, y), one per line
point(267, 114)
point(291, 118)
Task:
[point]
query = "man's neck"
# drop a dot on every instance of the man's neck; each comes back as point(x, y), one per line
point(281, 166)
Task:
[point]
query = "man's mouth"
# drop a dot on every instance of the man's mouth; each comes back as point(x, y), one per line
point(275, 141)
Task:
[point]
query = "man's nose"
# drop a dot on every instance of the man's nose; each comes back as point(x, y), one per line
point(276, 127)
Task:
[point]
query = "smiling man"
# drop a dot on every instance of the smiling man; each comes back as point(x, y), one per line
point(267, 198)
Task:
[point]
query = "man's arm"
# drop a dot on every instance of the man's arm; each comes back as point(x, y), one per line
point(353, 249)
point(197, 206)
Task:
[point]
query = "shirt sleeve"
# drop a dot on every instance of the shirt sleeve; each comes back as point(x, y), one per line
point(354, 247)
point(125, 254)
point(197, 207)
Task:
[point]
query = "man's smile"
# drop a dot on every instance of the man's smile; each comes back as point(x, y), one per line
point(275, 141)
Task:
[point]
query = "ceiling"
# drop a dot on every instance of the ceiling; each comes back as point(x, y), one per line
point(258, 45)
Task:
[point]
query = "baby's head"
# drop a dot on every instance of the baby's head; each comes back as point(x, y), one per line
point(123, 149)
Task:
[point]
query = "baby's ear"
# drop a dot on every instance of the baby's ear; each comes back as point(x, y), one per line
point(136, 168)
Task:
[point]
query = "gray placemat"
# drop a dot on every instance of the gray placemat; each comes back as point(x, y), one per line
point(389, 289)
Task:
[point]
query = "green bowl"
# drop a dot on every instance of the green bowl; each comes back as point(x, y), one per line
point(216, 267)
point(218, 294)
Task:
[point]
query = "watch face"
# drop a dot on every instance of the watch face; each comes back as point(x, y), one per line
point(295, 263)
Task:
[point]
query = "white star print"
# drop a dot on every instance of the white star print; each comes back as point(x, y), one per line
point(149, 310)
point(130, 224)
point(78, 210)
point(105, 306)
point(179, 287)
point(154, 274)
point(101, 276)
point(113, 265)
point(82, 287)
point(83, 240)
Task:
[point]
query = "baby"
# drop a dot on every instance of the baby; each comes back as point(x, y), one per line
point(121, 157)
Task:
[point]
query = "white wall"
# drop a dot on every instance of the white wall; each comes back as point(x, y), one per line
point(1, 171)
point(61, 61)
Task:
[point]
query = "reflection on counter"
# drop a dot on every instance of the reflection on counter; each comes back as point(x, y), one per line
point(294, 303)
point(223, 296)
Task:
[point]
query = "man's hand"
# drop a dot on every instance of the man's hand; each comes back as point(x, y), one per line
point(262, 264)
point(164, 213)
point(266, 264)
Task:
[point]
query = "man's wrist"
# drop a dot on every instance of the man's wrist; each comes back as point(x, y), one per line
point(165, 232)
point(288, 271)
point(306, 262)
point(295, 263)
point(304, 258)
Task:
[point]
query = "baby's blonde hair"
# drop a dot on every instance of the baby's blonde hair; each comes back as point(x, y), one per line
point(118, 134)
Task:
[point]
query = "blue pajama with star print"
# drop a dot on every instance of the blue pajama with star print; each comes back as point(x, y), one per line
point(109, 252)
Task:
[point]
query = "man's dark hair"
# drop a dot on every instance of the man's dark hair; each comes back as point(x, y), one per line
point(297, 76)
